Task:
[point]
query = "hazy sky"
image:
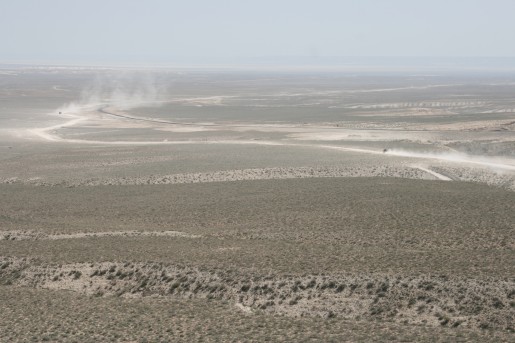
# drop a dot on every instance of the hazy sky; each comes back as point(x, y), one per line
point(159, 31)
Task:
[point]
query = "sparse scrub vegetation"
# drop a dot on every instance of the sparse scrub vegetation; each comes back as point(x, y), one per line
point(288, 237)
point(175, 319)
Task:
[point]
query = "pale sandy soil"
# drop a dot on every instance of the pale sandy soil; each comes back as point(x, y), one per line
point(35, 235)
point(428, 300)
point(418, 171)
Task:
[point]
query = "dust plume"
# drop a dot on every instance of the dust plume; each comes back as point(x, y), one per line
point(121, 89)
point(497, 164)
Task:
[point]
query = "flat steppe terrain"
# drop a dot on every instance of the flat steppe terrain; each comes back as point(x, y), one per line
point(231, 206)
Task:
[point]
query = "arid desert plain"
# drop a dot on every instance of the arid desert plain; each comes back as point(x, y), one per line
point(141, 205)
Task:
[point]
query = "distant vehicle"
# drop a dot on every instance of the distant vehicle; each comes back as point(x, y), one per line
point(385, 150)
point(60, 113)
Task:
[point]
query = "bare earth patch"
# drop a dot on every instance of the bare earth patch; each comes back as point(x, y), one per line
point(428, 299)
point(33, 235)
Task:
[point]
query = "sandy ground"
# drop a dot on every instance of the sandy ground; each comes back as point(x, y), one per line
point(35, 235)
point(502, 167)
point(423, 300)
